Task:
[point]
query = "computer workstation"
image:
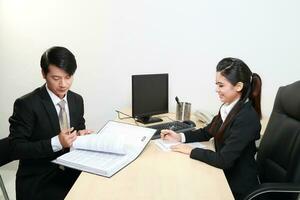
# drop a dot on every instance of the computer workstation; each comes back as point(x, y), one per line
point(150, 96)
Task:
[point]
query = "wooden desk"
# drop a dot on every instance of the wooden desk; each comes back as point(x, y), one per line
point(156, 175)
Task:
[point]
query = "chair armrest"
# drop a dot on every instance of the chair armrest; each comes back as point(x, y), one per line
point(274, 187)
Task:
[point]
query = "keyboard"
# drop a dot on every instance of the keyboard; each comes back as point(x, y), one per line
point(176, 126)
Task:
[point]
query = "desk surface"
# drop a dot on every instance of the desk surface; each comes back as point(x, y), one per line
point(156, 175)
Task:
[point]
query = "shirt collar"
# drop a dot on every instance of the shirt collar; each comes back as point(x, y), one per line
point(226, 108)
point(55, 99)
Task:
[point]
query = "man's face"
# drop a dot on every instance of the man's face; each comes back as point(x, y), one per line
point(58, 81)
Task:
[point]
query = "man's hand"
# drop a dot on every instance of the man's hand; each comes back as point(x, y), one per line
point(84, 132)
point(67, 137)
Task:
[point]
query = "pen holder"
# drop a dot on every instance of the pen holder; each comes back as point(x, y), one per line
point(183, 111)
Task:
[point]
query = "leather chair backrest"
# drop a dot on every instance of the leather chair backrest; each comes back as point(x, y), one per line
point(4, 151)
point(278, 156)
point(295, 170)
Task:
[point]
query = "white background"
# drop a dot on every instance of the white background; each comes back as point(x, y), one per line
point(114, 39)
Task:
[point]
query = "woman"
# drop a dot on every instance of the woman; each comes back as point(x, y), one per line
point(235, 128)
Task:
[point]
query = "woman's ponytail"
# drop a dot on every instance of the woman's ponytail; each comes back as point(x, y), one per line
point(255, 94)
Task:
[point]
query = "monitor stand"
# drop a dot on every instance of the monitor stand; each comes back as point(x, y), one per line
point(148, 120)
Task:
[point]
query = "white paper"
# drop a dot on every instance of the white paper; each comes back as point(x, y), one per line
point(109, 143)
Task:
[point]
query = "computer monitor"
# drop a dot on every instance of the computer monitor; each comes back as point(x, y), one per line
point(150, 96)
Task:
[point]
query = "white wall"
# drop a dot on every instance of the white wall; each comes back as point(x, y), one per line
point(114, 39)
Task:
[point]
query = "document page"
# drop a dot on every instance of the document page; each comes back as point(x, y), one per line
point(105, 142)
point(94, 162)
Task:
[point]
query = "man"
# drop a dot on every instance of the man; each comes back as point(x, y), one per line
point(43, 126)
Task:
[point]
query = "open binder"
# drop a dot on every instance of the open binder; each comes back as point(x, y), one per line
point(114, 146)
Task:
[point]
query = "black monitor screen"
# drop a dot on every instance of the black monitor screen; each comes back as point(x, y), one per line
point(150, 96)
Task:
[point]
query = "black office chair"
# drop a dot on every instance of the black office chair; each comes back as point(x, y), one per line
point(4, 159)
point(278, 156)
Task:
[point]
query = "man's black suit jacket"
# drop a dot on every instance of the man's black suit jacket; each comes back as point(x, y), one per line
point(235, 153)
point(33, 123)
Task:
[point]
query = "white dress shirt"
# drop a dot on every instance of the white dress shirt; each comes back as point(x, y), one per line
point(56, 146)
point(226, 108)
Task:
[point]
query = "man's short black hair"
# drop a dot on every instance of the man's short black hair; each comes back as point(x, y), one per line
point(61, 57)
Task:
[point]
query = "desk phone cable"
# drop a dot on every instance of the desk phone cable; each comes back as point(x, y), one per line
point(127, 117)
point(135, 120)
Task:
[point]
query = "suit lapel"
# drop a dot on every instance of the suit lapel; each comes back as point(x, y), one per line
point(72, 107)
point(50, 109)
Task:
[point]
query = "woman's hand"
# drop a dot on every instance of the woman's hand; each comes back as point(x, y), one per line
point(170, 135)
point(182, 148)
point(173, 136)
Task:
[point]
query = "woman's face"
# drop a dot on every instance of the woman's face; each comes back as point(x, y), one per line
point(226, 91)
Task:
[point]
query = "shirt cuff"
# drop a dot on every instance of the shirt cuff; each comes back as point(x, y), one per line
point(56, 146)
point(182, 137)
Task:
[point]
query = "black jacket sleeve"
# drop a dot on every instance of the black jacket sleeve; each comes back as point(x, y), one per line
point(22, 124)
point(241, 132)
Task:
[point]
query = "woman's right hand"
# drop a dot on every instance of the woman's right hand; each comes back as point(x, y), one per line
point(170, 135)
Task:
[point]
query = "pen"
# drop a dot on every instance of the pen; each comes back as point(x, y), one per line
point(70, 130)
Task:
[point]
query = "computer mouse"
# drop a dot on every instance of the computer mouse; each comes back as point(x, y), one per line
point(190, 122)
